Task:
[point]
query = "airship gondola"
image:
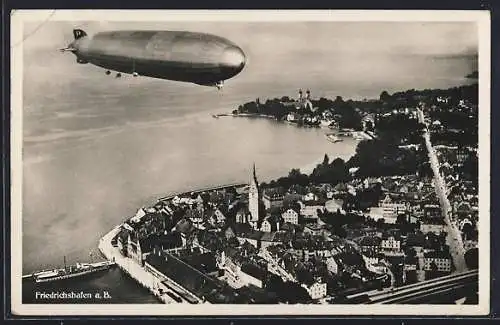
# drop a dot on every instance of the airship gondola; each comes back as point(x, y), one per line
point(198, 58)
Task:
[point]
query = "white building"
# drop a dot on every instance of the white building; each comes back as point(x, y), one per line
point(442, 261)
point(273, 199)
point(310, 211)
point(436, 228)
point(377, 213)
point(291, 117)
point(138, 216)
point(269, 225)
point(332, 265)
point(391, 244)
point(219, 216)
point(310, 197)
point(370, 259)
point(469, 244)
point(391, 208)
point(313, 229)
point(317, 290)
point(265, 226)
point(290, 216)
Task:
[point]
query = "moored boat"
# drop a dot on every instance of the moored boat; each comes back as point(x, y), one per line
point(72, 271)
point(332, 138)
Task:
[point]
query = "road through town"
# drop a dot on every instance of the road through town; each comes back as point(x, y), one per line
point(454, 238)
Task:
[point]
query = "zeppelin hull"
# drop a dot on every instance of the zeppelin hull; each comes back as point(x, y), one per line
point(182, 56)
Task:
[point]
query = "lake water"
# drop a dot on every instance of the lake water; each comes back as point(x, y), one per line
point(97, 148)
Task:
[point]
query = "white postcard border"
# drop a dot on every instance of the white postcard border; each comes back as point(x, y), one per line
point(18, 17)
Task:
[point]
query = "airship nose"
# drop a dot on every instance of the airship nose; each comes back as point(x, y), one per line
point(233, 57)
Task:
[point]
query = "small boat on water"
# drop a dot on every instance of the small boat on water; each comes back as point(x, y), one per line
point(358, 136)
point(215, 116)
point(332, 138)
point(344, 134)
point(72, 271)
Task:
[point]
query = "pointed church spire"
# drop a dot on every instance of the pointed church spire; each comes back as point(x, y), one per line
point(253, 198)
point(253, 177)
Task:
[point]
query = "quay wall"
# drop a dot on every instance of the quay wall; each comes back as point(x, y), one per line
point(130, 267)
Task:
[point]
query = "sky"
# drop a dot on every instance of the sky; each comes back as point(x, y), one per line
point(274, 39)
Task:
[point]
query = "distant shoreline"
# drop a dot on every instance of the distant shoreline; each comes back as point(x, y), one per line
point(264, 116)
point(244, 115)
point(308, 168)
point(473, 75)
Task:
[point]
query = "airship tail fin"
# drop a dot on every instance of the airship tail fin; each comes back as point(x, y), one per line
point(78, 33)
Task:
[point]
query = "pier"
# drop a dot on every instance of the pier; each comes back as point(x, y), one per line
point(160, 286)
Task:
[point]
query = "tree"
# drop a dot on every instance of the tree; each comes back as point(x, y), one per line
point(384, 96)
point(274, 283)
point(231, 190)
point(411, 253)
point(402, 219)
point(326, 160)
point(472, 258)
point(380, 223)
point(295, 177)
point(468, 231)
point(289, 292)
point(233, 242)
point(470, 167)
point(294, 293)
point(369, 125)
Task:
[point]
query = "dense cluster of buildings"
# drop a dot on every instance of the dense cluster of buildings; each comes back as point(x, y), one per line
point(303, 111)
point(268, 244)
point(245, 235)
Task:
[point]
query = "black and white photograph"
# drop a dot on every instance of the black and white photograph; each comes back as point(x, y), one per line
point(256, 162)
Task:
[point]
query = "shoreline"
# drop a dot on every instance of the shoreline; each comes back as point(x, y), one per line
point(356, 135)
point(245, 115)
point(308, 169)
point(152, 282)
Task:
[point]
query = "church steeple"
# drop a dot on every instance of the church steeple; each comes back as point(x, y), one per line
point(253, 198)
point(254, 176)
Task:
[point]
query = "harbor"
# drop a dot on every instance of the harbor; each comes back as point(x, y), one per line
point(78, 270)
point(164, 289)
point(69, 272)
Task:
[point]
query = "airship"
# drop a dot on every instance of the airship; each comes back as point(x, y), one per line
point(198, 58)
